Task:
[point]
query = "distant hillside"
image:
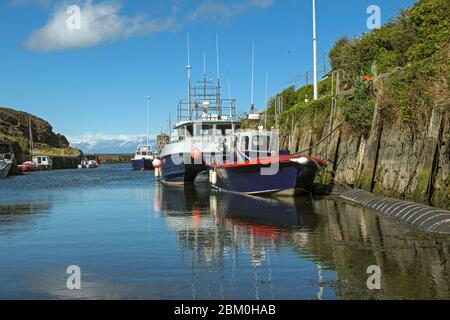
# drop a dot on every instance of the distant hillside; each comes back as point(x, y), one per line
point(14, 127)
point(109, 145)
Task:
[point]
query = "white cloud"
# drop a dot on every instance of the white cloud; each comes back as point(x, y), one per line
point(100, 23)
point(214, 10)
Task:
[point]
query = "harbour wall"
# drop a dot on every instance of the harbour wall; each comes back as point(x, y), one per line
point(114, 158)
point(394, 158)
point(60, 163)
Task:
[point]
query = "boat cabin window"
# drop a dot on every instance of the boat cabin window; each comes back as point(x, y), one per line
point(275, 142)
point(260, 143)
point(245, 143)
point(144, 153)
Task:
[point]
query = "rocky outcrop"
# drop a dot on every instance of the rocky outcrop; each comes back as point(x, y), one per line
point(14, 128)
point(16, 124)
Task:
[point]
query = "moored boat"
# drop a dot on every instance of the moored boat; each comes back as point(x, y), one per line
point(143, 158)
point(203, 121)
point(255, 165)
point(6, 162)
point(37, 162)
point(28, 166)
point(88, 164)
point(43, 162)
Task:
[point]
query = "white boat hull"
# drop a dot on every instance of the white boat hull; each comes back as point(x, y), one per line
point(5, 166)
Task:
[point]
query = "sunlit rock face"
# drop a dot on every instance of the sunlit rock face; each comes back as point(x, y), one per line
point(16, 124)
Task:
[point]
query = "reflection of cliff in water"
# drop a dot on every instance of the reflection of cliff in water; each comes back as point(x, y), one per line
point(332, 234)
point(413, 265)
point(23, 212)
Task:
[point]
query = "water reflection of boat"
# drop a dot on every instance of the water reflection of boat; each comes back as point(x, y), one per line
point(236, 208)
point(252, 210)
point(337, 240)
point(216, 227)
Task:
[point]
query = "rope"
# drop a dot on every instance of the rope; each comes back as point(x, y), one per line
point(315, 145)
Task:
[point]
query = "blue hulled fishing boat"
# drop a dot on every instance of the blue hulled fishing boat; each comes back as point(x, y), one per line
point(255, 165)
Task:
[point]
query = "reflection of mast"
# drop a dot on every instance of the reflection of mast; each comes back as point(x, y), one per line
point(321, 288)
point(269, 266)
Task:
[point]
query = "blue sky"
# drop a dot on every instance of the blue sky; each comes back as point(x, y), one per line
point(96, 82)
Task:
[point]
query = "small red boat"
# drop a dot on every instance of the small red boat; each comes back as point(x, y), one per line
point(28, 166)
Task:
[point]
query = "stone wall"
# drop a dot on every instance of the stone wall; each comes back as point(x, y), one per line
point(394, 159)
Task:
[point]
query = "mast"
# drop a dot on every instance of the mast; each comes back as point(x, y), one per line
point(170, 126)
point(148, 111)
point(253, 76)
point(265, 111)
point(31, 137)
point(316, 90)
point(218, 102)
point(188, 67)
point(218, 60)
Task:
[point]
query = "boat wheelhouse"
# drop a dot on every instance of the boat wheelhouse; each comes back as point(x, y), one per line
point(43, 162)
point(204, 122)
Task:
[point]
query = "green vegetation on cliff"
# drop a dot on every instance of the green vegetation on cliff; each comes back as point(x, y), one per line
point(382, 119)
point(412, 55)
point(14, 127)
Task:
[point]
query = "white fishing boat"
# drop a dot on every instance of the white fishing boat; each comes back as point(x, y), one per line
point(6, 162)
point(205, 120)
point(88, 164)
point(143, 158)
point(43, 162)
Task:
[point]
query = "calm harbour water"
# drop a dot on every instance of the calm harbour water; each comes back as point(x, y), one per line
point(135, 239)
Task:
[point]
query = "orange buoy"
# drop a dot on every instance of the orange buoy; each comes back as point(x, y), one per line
point(156, 163)
point(196, 154)
point(367, 78)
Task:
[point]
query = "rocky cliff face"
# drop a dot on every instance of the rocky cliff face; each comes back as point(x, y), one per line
point(16, 124)
point(394, 159)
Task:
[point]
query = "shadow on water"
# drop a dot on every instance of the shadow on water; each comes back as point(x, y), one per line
point(334, 235)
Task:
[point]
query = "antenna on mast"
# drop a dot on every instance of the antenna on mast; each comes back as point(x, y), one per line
point(218, 60)
point(265, 112)
point(170, 126)
point(188, 67)
point(148, 111)
point(204, 64)
point(218, 77)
